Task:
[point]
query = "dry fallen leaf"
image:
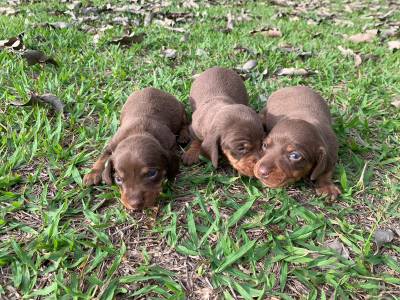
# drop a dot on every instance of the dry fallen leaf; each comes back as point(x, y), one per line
point(345, 51)
point(350, 53)
point(394, 45)
point(148, 18)
point(128, 40)
point(58, 25)
point(366, 37)
point(267, 31)
point(248, 66)
point(36, 57)
point(298, 51)
point(382, 236)
point(45, 98)
point(242, 49)
point(14, 43)
point(339, 248)
point(230, 22)
point(357, 60)
point(8, 11)
point(170, 53)
point(293, 72)
point(396, 103)
point(392, 31)
point(265, 73)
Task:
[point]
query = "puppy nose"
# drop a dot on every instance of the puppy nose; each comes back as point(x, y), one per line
point(135, 201)
point(263, 171)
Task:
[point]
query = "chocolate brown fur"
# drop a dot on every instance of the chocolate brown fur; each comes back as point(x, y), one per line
point(142, 152)
point(299, 125)
point(222, 119)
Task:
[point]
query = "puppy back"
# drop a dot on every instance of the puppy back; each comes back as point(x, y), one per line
point(154, 104)
point(299, 102)
point(218, 82)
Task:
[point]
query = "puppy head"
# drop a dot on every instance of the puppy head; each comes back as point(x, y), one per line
point(292, 150)
point(239, 132)
point(139, 166)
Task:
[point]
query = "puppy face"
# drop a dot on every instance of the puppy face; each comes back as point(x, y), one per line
point(242, 149)
point(292, 150)
point(139, 166)
point(239, 132)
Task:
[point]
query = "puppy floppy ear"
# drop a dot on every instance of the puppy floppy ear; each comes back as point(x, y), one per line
point(107, 173)
point(322, 163)
point(210, 148)
point(173, 165)
point(263, 117)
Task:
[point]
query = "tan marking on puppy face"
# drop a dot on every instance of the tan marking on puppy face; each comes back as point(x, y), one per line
point(290, 148)
point(144, 199)
point(245, 165)
point(274, 170)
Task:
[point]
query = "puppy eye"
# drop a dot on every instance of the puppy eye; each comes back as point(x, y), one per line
point(242, 149)
point(264, 146)
point(152, 173)
point(295, 156)
point(118, 180)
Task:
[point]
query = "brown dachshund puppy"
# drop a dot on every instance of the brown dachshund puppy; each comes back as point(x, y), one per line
point(300, 142)
point(142, 152)
point(222, 118)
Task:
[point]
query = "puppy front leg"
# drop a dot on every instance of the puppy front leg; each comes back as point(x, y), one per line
point(94, 177)
point(191, 156)
point(184, 133)
point(325, 186)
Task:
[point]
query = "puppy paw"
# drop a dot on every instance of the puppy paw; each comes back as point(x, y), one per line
point(329, 190)
point(93, 178)
point(184, 136)
point(190, 157)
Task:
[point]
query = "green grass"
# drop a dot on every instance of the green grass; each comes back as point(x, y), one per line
point(215, 234)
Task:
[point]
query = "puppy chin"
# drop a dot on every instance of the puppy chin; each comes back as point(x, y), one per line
point(274, 184)
point(245, 166)
point(149, 200)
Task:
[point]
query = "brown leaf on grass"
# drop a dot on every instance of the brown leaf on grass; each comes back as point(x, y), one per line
point(283, 3)
point(339, 248)
point(100, 32)
point(390, 32)
point(249, 65)
point(394, 45)
point(45, 98)
point(14, 43)
point(366, 37)
point(343, 23)
point(350, 53)
point(75, 5)
point(128, 40)
point(8, 11)
point(58, 25)
point(230, 22)
point(37, 57)
point(346, 52)
point(265, 73)
point(298, 51)
point(170, 53)
point(267, 31)
point(357, 60)
point(242, 49)
point(294, 72)
point(382, 236)
point(148, 18)
point(190, 4)
point(396, 102)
